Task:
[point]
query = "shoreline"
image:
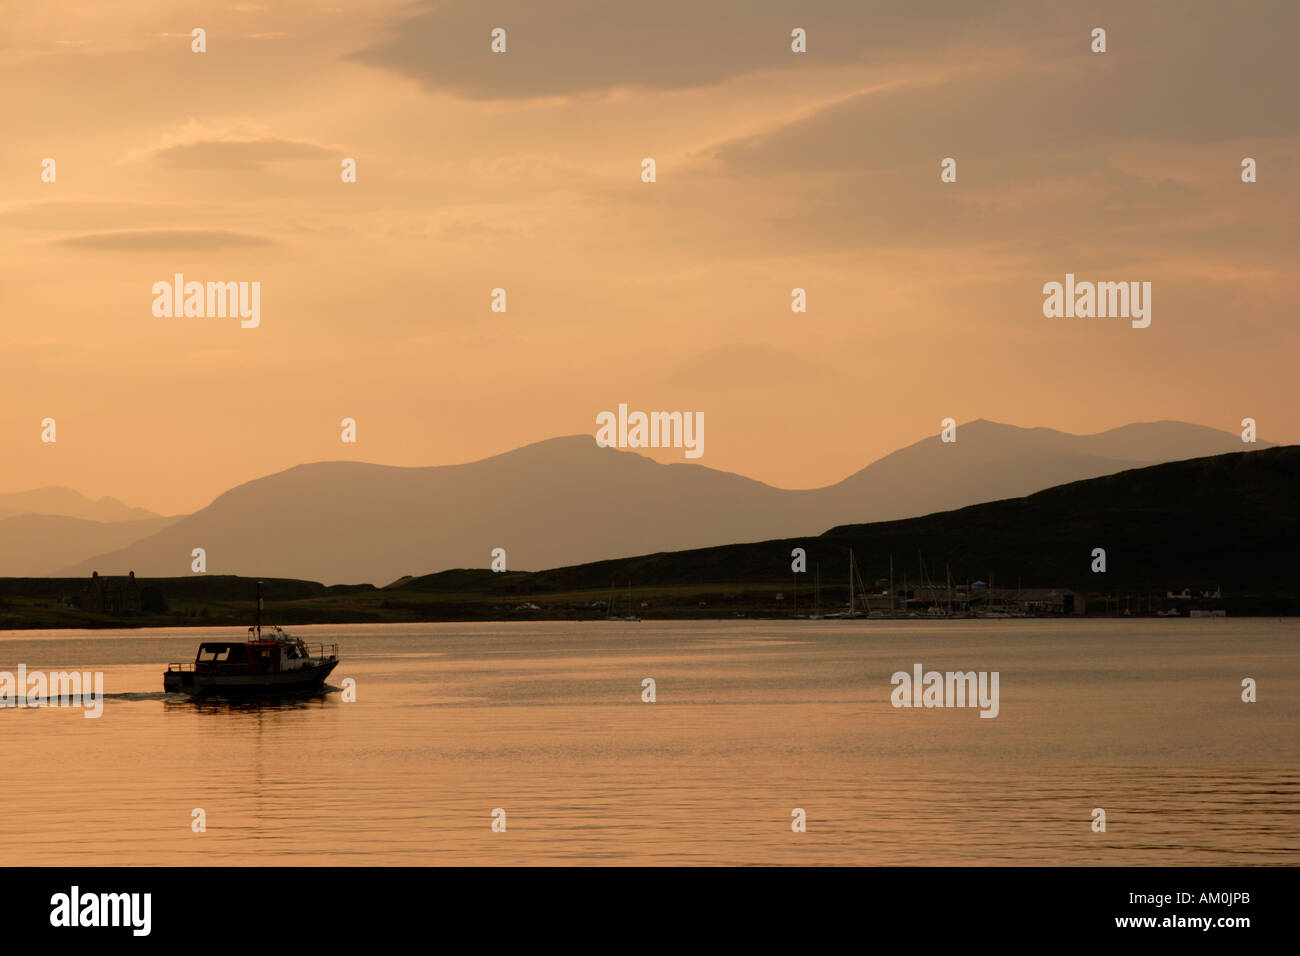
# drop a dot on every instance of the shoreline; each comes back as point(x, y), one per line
point(169, 622)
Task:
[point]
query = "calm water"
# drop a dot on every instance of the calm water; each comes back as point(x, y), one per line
point(753, 719)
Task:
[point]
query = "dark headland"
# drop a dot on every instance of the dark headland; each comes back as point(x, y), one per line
point(1216, 535)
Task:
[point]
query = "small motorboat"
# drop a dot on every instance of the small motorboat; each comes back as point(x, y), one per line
point(263, 665)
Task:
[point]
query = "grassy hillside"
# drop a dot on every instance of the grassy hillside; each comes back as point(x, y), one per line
point(1232, 520)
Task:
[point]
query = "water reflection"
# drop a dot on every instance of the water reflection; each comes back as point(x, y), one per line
point(247, 703)
point(752, 719)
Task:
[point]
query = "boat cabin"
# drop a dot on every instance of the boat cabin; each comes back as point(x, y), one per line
point(258, 656)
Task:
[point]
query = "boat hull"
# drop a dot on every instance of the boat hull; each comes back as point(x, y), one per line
point(251, 685)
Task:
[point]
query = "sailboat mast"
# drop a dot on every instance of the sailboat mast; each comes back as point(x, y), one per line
point(862, 588)
point(851, 607)
point(891, 585)
point(259, 610)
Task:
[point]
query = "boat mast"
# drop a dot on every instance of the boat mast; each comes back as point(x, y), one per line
point(891, 585)
point(851, 607)
point(259, 610)
point(862, 587)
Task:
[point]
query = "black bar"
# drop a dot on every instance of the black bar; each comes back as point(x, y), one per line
point(806, 907)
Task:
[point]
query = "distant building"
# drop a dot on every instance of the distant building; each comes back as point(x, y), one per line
point(1049, 600)
point(111, 595)
point(980, 598)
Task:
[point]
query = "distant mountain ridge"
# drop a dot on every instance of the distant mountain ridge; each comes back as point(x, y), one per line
point(1222, 530)
point(66, 502)
point(566, 501)
point(44, 529)
point(1231, 520)
point(38, 544)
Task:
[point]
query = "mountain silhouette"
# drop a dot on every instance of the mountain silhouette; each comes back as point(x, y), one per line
point(567, 501)
point(36, 544)
point(69, 504)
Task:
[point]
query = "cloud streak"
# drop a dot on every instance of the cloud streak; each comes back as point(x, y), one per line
point(152, 240)
point(241, 155)
point(580, 46)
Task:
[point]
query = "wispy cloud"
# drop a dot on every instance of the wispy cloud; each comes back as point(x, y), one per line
point(248, 154)
point(239, 147)
point(575, 47)
point(142, 240)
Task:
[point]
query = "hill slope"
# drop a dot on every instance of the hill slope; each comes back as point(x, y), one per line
point(565, 501)
point(39, 544)
point(1230, 520)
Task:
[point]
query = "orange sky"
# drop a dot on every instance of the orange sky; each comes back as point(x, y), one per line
point(522, 171)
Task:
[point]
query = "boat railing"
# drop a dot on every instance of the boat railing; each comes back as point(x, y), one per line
point(318, 652)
